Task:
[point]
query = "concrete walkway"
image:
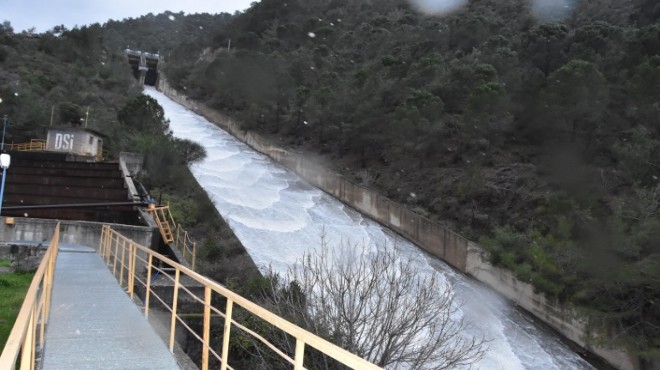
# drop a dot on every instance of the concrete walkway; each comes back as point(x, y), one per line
point(93, 323)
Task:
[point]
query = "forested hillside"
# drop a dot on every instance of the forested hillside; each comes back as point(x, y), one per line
point(66, 72)
point(537, 137)
point(60, 75)
point(163, 32)
point(68, 76)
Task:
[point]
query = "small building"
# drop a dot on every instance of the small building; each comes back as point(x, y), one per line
point(78, 141)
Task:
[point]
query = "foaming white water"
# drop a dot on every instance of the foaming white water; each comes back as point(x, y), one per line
point(438, 7)
point(279, 217)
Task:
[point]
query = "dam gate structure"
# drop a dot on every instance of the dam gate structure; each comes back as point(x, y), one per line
point(144, 65)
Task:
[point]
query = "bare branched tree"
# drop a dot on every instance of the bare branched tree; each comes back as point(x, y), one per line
point(376, 304)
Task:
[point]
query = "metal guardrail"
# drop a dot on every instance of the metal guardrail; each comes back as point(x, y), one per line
point(33, 145)
point(186, 245)
point(38, 145)
point(180, 237)
point(24, 340)
point(126, 259)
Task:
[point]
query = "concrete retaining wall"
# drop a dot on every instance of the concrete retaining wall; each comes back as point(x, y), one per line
point(71, 232)
point(451, 247)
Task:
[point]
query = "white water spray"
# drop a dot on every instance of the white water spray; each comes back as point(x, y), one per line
point(438, 7)
point(542, 10)
point(552, 10)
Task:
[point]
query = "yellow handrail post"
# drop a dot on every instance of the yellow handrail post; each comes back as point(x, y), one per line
point(114, 265)
point(181, 247)
point(33, 337)
point(178, 230)
point(129, 270)
point(121, 267)
point(194, 255)
point(48, 281)
point(42, 325)
point(135, 269)
point(148, 289)
point(106, 251)
point(27, 350)
point(131, 275)
point(184, 242)
point(175, 300)
point(300, 354)
point(44, 304)
point(169, 213)
point(101, 244)
point(206, 336)
point(226, 333)
point(50, 274)
point(111, 237)
point(50, 268)
point(106, 246)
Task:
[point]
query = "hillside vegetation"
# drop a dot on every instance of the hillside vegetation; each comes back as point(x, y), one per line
point(61, 75)
point(537, 137)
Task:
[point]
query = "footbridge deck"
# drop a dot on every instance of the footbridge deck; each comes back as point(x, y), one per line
point(93, 323)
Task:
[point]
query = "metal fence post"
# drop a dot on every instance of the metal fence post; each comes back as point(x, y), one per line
point(131, 271)
point(122, 265)
point(43, 303)
point(194, 255)
point(148, 293)
point(106, 248)
point(114, 266)
point(178, 230)
point(33, 334)
point(226, 333)
point(101, 239)
point(206, 336)
point(175, 300)
point(300, 354)
point(26, 349)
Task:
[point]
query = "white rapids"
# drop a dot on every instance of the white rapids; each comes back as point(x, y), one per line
point(279, 217)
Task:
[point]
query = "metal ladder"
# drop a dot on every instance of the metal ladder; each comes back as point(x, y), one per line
point(165, 222)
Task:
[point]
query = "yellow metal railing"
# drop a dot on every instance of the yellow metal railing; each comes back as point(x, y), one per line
point(101, 154)
point(33, 145)
point(40, 145)
point(185, 245)
point(173, 233)
point(27, 335)
point(134, 264)
point(165, 222)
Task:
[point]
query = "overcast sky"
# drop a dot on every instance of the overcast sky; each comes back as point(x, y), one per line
point(44, 14)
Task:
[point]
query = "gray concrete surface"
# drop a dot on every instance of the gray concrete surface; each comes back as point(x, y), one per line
point(93, 324)
point(36, 230)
